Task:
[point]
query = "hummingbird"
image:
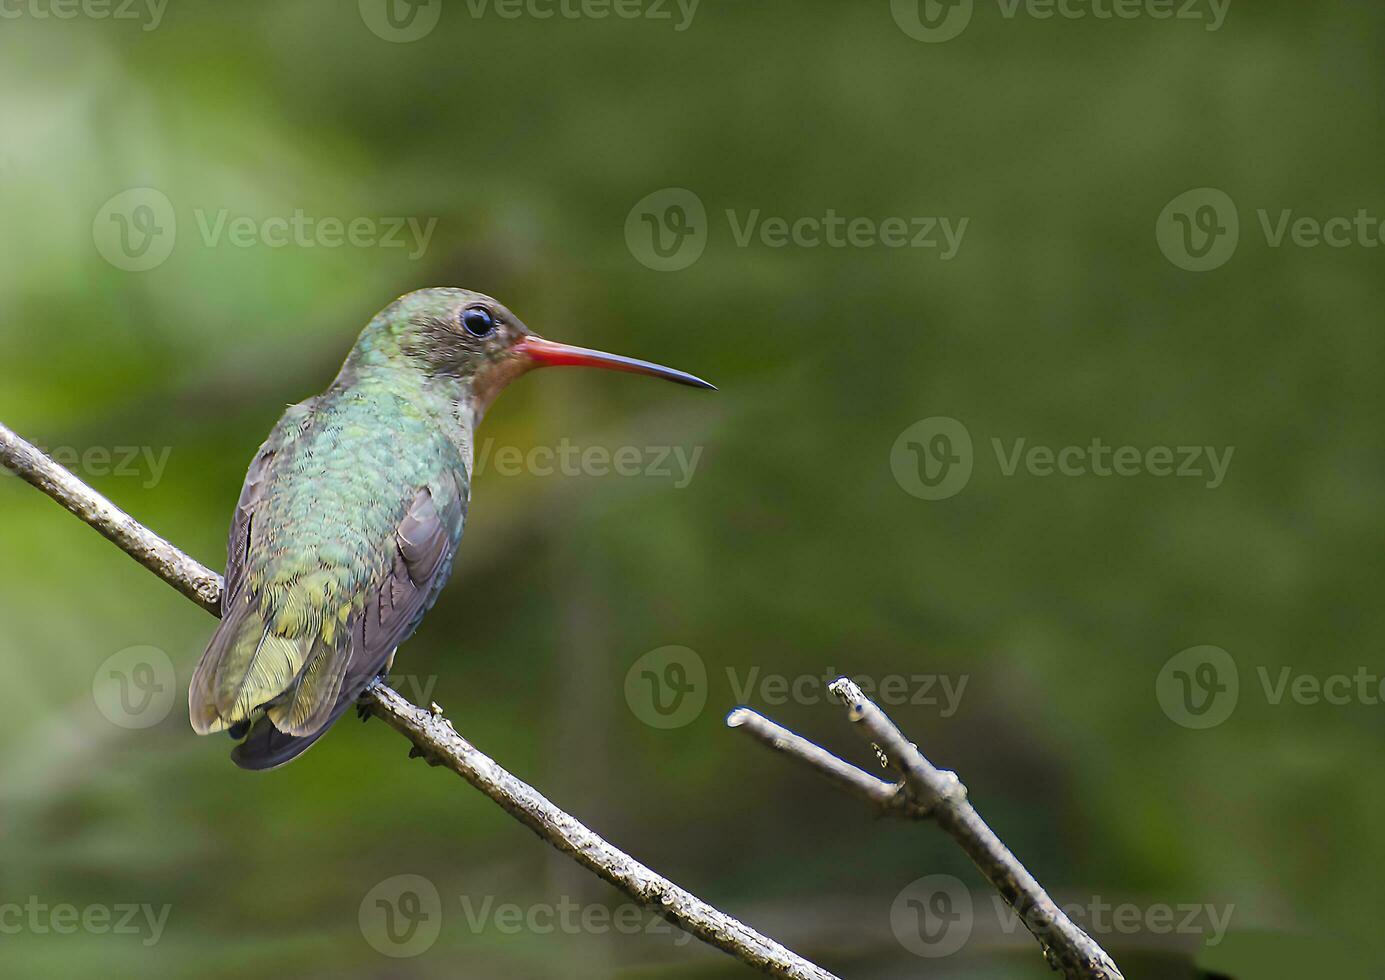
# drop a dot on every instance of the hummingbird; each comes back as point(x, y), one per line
point(351, 513)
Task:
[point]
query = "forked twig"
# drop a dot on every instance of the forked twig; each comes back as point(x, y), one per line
point(926, 792)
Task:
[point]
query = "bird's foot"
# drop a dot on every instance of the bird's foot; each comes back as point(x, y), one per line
point(363, 711)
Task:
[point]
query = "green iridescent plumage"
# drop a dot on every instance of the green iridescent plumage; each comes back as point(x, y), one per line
point(316, 580)
point(351, 513)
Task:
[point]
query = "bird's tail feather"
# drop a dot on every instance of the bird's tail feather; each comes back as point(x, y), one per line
point(280, 692)
point(268, 748)
point(246, 664)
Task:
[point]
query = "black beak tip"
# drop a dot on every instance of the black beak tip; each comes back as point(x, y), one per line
point(680, 377)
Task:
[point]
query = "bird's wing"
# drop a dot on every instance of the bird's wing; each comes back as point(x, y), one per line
point(315, 601)
point(241, 627)
point(422, 543)
point(238, 542)
point(336, 672)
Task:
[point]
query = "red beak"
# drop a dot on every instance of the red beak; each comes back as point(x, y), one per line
point(547, 353)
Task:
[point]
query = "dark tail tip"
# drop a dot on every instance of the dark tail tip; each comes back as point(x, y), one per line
point(268, 748)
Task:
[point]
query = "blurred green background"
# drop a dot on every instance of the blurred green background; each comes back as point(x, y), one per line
point(796, 546)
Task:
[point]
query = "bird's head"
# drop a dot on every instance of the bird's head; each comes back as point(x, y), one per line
point(462, 336)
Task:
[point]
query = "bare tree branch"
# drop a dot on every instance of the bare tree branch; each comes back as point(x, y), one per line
point(432, 735)
point(884, 796)
point(929, 792)
point(190, 577)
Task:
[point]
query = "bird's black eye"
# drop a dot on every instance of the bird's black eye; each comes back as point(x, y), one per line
point(478, 321)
